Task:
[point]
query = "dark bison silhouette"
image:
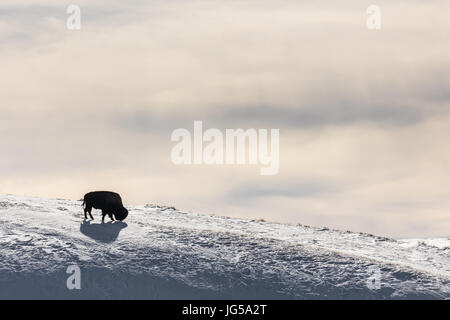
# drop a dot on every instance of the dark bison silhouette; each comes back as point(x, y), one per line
point(109, 202)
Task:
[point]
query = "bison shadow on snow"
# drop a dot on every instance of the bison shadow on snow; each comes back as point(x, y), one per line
point(102, 232)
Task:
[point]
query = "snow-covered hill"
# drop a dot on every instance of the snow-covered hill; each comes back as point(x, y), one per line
point(164, 253)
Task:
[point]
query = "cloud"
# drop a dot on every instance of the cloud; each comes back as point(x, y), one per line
point(250, 193)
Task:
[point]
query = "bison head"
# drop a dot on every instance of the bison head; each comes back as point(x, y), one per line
point(121, 214)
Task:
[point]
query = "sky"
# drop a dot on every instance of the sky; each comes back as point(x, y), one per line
point(363, 115)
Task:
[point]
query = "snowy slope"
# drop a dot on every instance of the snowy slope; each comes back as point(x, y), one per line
point(163, 253)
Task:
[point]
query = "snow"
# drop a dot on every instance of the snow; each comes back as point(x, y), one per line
point(163, 253)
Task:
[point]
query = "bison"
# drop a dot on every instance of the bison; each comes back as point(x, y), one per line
point(109, 202)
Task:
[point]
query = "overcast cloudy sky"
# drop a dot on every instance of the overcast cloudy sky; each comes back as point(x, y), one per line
point(364, 115)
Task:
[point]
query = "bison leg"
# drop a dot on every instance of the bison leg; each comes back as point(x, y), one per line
point(111, 216)
point(88, 209)
point(103, 215)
